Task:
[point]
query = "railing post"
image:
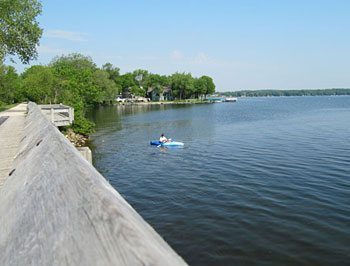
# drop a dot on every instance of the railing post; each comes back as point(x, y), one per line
point(52, 116)
point(71, 115)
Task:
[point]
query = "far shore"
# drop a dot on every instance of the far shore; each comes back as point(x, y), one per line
point(164, 103)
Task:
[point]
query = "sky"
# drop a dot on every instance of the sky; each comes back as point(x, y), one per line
point(248, 44)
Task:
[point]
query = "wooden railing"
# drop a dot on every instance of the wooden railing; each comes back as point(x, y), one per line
point(56, 209)
point(58, 114)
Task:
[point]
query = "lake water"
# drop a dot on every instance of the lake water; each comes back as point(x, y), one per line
point(262, 181)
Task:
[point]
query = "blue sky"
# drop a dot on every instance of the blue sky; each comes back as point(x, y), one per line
point(241, 44)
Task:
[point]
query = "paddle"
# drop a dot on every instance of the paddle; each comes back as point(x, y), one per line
point(169, 140)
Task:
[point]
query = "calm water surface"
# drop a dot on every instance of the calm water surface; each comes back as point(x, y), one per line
point(262, 181)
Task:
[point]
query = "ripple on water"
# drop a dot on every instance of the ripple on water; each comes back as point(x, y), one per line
point(262, 181)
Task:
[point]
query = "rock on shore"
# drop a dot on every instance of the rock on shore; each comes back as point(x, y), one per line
point(77, 139)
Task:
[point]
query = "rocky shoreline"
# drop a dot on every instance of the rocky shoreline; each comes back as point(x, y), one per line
point(76, 139)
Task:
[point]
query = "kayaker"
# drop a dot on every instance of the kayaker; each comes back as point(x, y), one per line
point(163, 139)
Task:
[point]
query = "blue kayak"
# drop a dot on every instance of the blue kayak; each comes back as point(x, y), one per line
point(167, 144)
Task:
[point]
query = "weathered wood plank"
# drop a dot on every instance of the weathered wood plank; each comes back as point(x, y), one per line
point(11, 130)
point(56, 209)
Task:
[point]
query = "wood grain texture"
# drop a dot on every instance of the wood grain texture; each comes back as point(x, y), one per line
point(11, 131)
point(56, 209)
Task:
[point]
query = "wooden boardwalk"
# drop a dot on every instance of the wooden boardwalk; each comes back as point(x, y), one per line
point(56, 209)
point(11, 130)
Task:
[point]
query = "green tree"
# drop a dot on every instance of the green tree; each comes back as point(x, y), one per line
point(156, 81)
point(113, 72)
point(204, 85)
point(19, 30)
point(78, 88)
point(138, 91)
point(9, 83)
point(108, 86)
point(182, 85)
point(199, 87)
point(38, 83)
point(75, 72)
point(126, 82)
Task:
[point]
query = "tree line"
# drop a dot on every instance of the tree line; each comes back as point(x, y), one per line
point(76, 80)
point(304, 92)
point(73, 79)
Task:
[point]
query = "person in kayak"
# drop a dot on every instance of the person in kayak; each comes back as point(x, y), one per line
point(163, 139)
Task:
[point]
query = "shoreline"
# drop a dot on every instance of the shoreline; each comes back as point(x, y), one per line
point(162, 103)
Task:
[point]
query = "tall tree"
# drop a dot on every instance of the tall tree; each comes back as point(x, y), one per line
point(182, 85)
point(19, 29)
point(38, 83)
point(76, 80)
point(9, 83)
point(126, 82)
point(113, 72)
point(156, 81)
point(156, 84)
point(204, 85)
point(75, 72)
point(108, 86)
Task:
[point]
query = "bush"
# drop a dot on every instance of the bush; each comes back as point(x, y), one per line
point(82, 126)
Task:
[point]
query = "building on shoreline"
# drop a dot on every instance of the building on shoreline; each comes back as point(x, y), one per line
point(156, 95)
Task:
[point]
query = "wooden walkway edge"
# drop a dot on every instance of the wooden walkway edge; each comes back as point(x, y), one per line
point(56, 209)
point(11, 130)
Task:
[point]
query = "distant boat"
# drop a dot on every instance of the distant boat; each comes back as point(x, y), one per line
point(231, 99)
point(216, 99)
